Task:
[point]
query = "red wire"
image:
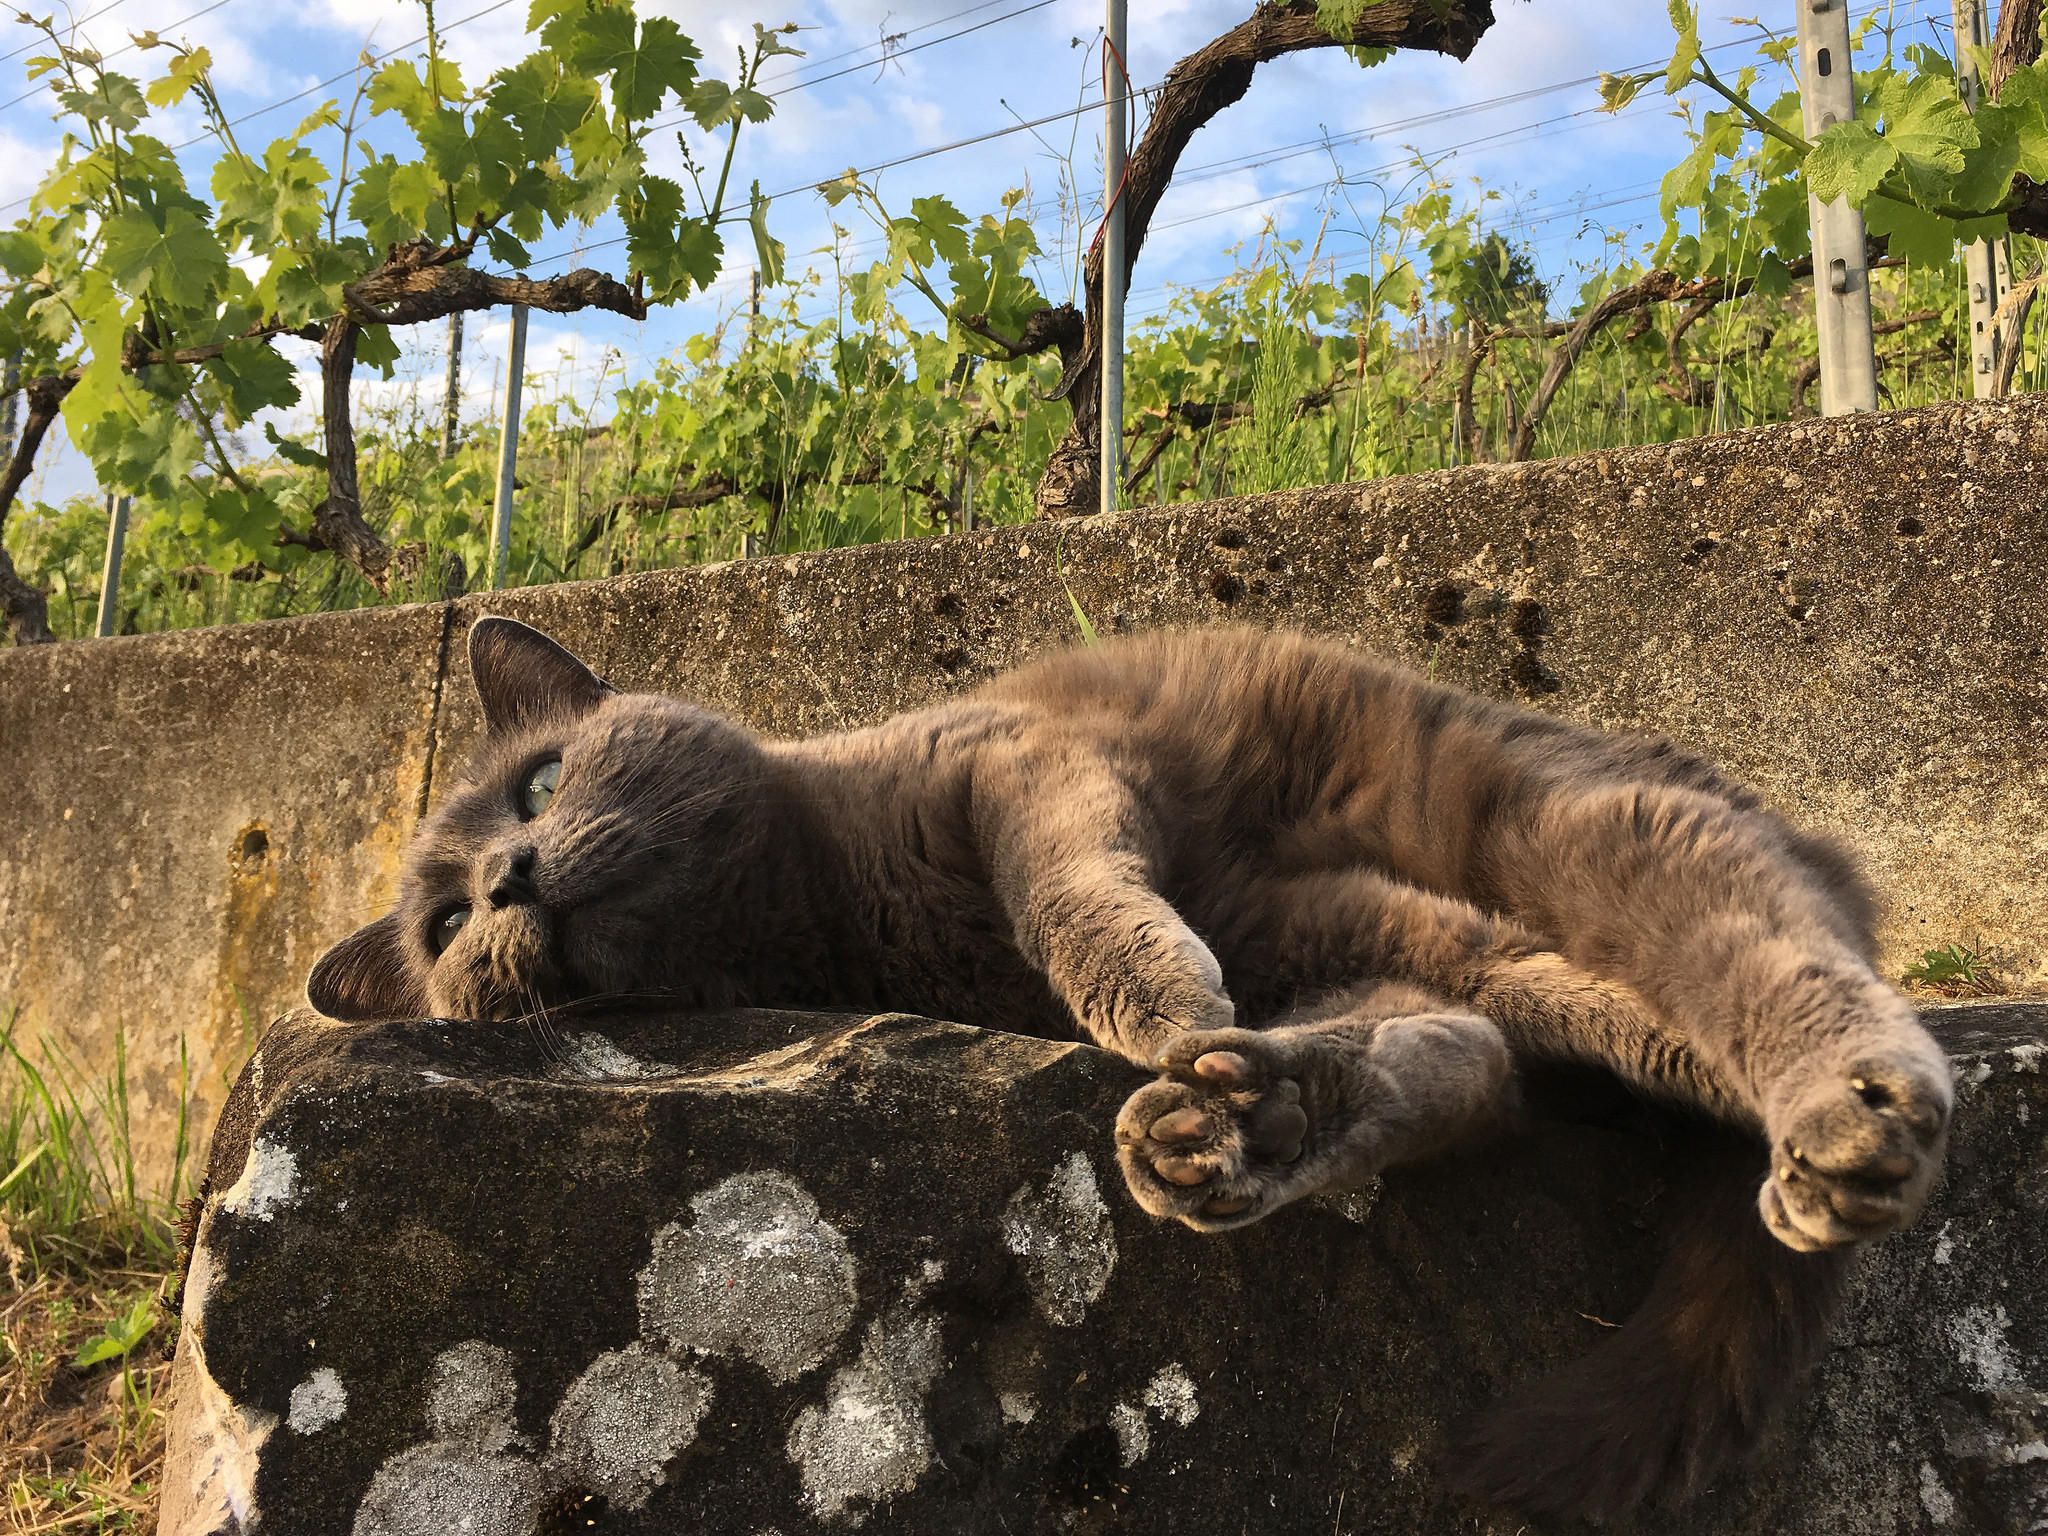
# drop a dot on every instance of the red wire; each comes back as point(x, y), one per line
point(1117, 196)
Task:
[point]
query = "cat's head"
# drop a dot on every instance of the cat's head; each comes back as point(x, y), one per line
point(587, 841)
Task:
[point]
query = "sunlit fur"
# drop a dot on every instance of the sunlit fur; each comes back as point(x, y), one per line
point(1333, 902)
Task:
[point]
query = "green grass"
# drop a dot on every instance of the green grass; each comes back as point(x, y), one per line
point(72, 1193)
point(90, 1250)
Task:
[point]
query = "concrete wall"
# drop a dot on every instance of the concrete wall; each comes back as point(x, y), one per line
point(1849, 615)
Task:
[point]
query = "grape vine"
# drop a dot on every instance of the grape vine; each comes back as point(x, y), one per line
point(937, 385)
point(148, 316)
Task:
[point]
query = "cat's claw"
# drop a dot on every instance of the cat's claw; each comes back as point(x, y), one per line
point(1855, 1149)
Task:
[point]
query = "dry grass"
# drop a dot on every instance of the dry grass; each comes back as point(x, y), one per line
point(81, 1448)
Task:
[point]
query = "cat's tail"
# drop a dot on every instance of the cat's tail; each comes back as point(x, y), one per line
point(1689, 1386)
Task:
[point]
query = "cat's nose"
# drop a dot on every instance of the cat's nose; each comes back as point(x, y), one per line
point(512, 883)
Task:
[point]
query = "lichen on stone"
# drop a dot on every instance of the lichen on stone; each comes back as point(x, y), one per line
point(1018, 1408)
point(623, 1421)
point(470, 1393)
point(1979, 1337)
point(473, 1476)
point(759, 1274)
point(1172, 1394)
point(1133, 1435)
point(445, 1486)
point(1939, 1503)
point(870, 1439)
point(591, 1057)
point(316, 1402)
point(269, 1182)
point(1065, 1238)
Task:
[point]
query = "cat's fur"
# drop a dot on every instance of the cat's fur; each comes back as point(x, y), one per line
point(1332, 901)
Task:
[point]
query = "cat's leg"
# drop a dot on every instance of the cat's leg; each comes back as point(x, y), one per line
point(1709, 973)
point(1704, 908)
point(1246, 1121)
point(1071, 856)
point(1306, 934)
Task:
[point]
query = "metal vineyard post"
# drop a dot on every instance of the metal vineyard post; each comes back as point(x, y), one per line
point(1987, 264)
point(110, 573)
point(1115, 93)
point(451, 404)
point(508, 451)
point(1841, 275)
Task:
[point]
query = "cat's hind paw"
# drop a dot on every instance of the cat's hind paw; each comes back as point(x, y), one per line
point(1855, 1150)
point(1226, 1137)
point(1245, 1121)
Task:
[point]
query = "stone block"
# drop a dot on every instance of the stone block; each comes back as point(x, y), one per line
point(795, 1273)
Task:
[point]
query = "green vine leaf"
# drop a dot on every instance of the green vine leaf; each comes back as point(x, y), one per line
point(2022, 111)
point(1617, 91)
point(253, 377)
point(1849, 160)
point(767, 249)
point(187, 70)
point(179, 263)
point(1685, 22)
point(1927, 125)
point(663, 64)
point(294, 453)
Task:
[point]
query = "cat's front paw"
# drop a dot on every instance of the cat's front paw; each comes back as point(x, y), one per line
point(1855, 1146)
point(1136, 991)
point(1220, 1140)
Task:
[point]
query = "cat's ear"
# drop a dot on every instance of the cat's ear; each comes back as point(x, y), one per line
point(523, 677)
point(365, 977)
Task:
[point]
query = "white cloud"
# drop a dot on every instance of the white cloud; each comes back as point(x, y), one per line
point(23, 163)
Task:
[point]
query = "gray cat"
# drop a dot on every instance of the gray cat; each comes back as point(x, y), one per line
point(1331, 903)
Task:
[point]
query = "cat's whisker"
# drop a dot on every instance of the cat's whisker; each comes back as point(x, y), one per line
point(554, 1033)
point(686, 809)
point(553, 1049)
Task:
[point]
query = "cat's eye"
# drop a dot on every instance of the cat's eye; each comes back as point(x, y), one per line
point(442, 934)
point(540, 788)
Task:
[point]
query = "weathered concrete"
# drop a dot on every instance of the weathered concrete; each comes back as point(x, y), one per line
point(793, 1272)
point(1849, 614)
point(189, 819)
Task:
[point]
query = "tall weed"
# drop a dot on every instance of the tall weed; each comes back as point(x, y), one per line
point(1278, 452)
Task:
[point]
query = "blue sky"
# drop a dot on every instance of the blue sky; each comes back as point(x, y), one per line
point(1509, 120)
